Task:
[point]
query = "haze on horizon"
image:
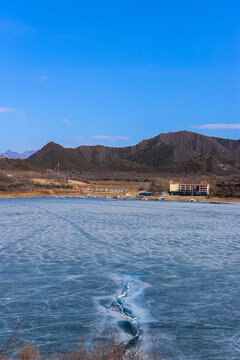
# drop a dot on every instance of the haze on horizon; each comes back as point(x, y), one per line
point(116, 73)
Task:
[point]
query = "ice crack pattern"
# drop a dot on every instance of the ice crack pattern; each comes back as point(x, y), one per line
point(131, 322)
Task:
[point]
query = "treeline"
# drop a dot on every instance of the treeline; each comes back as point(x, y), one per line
point(14, 182)
point(225, 190)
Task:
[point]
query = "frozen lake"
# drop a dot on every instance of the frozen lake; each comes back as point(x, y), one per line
point(83, 266)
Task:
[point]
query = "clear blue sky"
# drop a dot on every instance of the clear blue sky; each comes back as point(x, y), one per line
point(115, 72)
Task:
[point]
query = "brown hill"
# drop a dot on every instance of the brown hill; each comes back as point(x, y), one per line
point(178, 152)
point(16, 164)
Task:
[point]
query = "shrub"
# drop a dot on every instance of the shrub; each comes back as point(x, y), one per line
point(112, 349)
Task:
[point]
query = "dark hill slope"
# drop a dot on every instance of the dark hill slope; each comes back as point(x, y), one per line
point(52, 153)
point(178, 152)
point(16, 164)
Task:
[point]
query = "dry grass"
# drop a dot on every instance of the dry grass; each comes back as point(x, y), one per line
point(102, 350)
point(111, 349)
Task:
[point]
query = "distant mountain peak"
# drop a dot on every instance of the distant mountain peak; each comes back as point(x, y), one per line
point(15, 155)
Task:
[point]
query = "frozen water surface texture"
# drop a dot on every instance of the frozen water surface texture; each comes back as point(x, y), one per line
point(82, 266)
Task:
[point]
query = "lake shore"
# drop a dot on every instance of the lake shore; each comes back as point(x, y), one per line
point(77, 193)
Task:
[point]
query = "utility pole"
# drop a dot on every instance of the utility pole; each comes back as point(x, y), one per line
point(58, 167)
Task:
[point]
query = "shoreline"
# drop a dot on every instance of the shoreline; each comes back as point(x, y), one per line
point(75, 193)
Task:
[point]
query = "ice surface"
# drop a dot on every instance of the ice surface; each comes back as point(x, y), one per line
point(65, 261)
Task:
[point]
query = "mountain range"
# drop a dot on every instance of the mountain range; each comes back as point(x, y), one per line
point(173, 152)
point(15, 155)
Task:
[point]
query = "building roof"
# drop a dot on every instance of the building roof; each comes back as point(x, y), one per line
point(203, 182)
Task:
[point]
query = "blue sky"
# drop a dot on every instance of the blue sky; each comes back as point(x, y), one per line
point(116, 72)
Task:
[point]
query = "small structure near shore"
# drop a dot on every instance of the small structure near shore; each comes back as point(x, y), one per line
point(201, 189)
